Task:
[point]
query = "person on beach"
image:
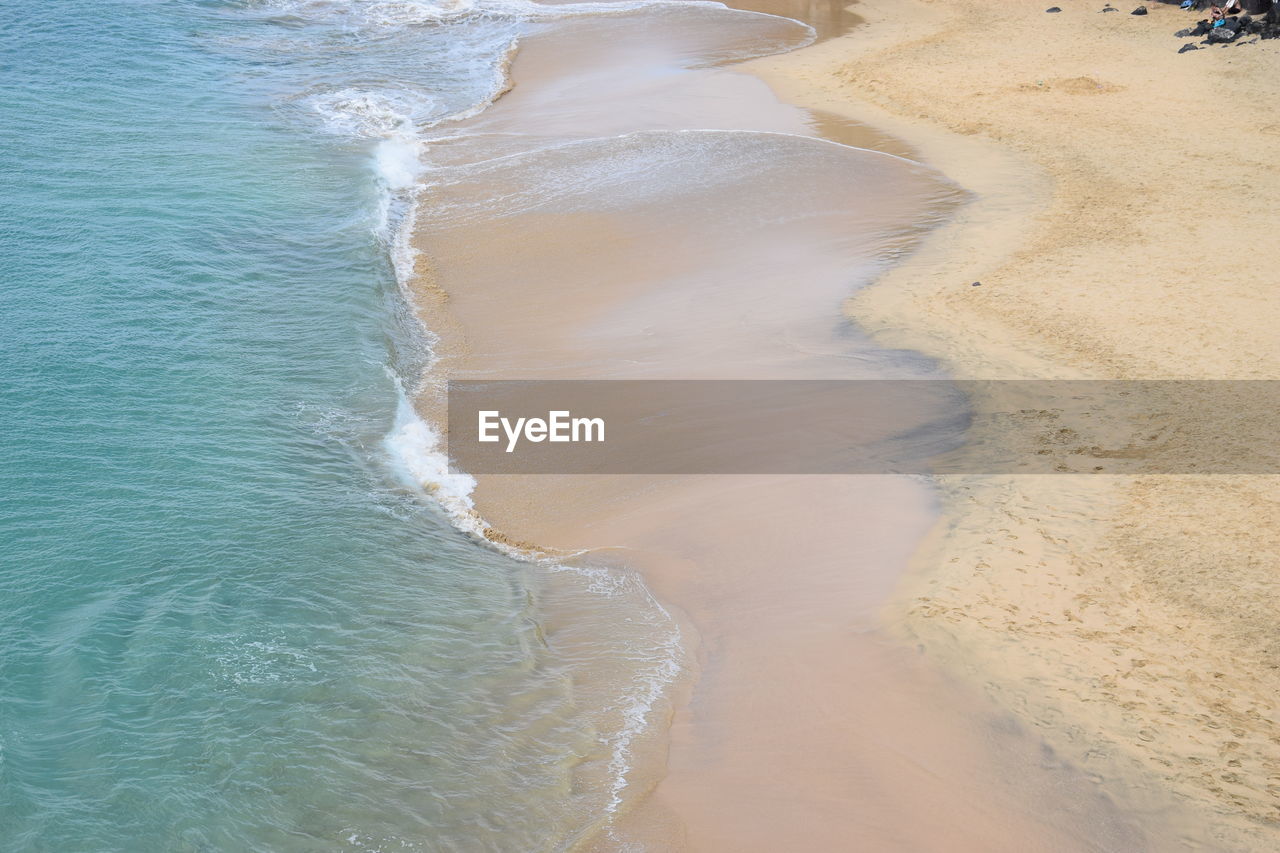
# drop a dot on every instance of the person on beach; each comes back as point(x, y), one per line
point(1219, 13)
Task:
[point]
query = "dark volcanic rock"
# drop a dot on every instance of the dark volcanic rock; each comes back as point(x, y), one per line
point(1221, 35)
point(1053, 9)
point(1141, 10)
point(1187, 47)
point(1182, 34)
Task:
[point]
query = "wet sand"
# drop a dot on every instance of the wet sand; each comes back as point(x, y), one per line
point(1126, 619)
point(648, 236)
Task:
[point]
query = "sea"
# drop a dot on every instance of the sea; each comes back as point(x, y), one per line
point(244, 605)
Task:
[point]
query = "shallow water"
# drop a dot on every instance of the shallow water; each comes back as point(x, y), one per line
point(231, 620)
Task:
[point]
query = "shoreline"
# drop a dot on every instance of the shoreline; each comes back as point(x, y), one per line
point(1088, 606)
point(1008, 191)
point(828, 796)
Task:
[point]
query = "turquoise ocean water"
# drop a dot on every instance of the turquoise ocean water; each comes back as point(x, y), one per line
point(226, 621)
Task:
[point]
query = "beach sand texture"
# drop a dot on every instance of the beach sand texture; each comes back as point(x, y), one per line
point(1120, 627)
point(1125, 197)
point(683, 254)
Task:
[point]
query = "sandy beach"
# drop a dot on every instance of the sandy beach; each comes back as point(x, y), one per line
point(799, 722)
point(1071, 663)
point(1127, 619)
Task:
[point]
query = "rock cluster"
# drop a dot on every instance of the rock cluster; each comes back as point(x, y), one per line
point(1234, 28)
point(1261, 20)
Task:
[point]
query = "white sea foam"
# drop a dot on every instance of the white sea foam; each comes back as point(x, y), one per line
point(387, 120)
point(417, 455)
point(371, 13)
point(369, 115)
point(393, 13)
point(651, 687)
point(402, 12)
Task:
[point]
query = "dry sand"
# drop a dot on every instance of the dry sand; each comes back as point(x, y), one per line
point(1125, 195)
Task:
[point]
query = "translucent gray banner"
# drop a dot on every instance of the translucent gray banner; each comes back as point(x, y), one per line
point(865, 427)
